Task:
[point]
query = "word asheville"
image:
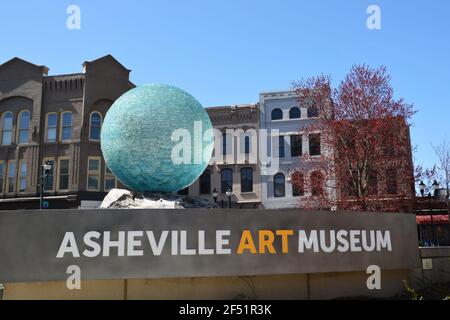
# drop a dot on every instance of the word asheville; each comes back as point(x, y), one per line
point(139, 243)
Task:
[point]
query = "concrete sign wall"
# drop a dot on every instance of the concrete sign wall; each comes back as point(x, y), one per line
point(140, 244)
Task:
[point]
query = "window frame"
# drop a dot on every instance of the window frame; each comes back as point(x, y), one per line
point(62, 126)
point(321, 187)
point(301, 192)
point(3, 176)
point(223, 191)
point(201, 183)
point(55, 127)
point(276, 110)
point(14, 184)
point(311, 138)
point(250, 190)
point(58, 179)
point(108, 175)
point(20, 177)
point(279, 174)
point(299, 113)
point(20, 130)
point(292, 147)
point(96, 173)
point(100, 126)
point(11, 131)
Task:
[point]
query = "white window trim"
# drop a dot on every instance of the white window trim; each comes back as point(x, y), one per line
point(94, 173)
point(46, 127)
point(90, 125)
point(19, 129)
point(61, 127)
point(109, 176)
point(2, 118)
point(19, 176)
point(59, 174)
point(7, 191)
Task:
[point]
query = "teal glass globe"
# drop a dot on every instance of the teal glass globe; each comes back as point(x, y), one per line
point(147, 132)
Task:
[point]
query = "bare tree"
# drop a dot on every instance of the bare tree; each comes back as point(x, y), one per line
point(443, 153)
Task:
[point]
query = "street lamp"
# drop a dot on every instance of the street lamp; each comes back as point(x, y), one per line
point(215, 194)
point(45, 171)
point(229, 193)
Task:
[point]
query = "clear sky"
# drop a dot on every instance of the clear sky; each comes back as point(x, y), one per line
point(227, 51)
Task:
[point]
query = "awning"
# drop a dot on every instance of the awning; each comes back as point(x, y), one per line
point(437, 219)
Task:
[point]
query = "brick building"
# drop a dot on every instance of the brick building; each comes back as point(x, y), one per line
point(57, 119)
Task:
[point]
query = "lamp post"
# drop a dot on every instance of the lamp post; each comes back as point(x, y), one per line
point(215, 194)
point(45, 170)
point(229, 193)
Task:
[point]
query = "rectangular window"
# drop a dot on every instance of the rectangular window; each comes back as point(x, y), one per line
point(66, 126)
point(296, 146)
point(49, 179)
point(314, 145)
point(373, 182)
point(391, 181)
point(11, 176)
point(205, 182)
point(247, 144)
point(227, 180)
point(22, 176)
point(281, 153)
point(110, 179)
point(7, 126)
point(63, 174)
point(93, 174)
point(226, 143)
point(52, 125)
point(2, 175)
point(246, 180)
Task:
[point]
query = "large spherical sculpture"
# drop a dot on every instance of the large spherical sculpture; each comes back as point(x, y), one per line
point(150, 139)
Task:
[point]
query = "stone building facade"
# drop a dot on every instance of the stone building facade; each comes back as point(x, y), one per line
point(234, 166)
point(285, 121)
point(55, 119)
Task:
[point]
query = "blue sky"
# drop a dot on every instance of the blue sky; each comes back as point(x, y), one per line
point(226, 52)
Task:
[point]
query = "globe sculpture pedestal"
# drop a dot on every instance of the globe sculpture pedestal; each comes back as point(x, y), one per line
point(150, 140)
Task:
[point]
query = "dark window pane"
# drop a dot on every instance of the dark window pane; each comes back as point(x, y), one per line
point(298, 184)
point(391, 181)
point(227, 180)
point(277, 114)
point(294, 113)
point(52, 120)
point(49, 179)
point(279, 188)
point(317, 183)
point(247, 144)
point(296, 146)
point(313, 112)
point(373, 183)
point(205, 182)
point(281, 153)
point(110, 183)
point(246, 180)
point(184, 192)
point(314, 145)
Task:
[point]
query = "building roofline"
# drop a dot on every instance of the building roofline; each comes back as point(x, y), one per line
point(44, 68)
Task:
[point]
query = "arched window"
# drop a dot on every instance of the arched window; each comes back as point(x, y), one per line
point(279, 188)
point(24, 127)
point(317, 183)
point(7, 126)
point(295, 113)
point(313, 112)
point(298, 184)
point(277, 114)
point(95, 125)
